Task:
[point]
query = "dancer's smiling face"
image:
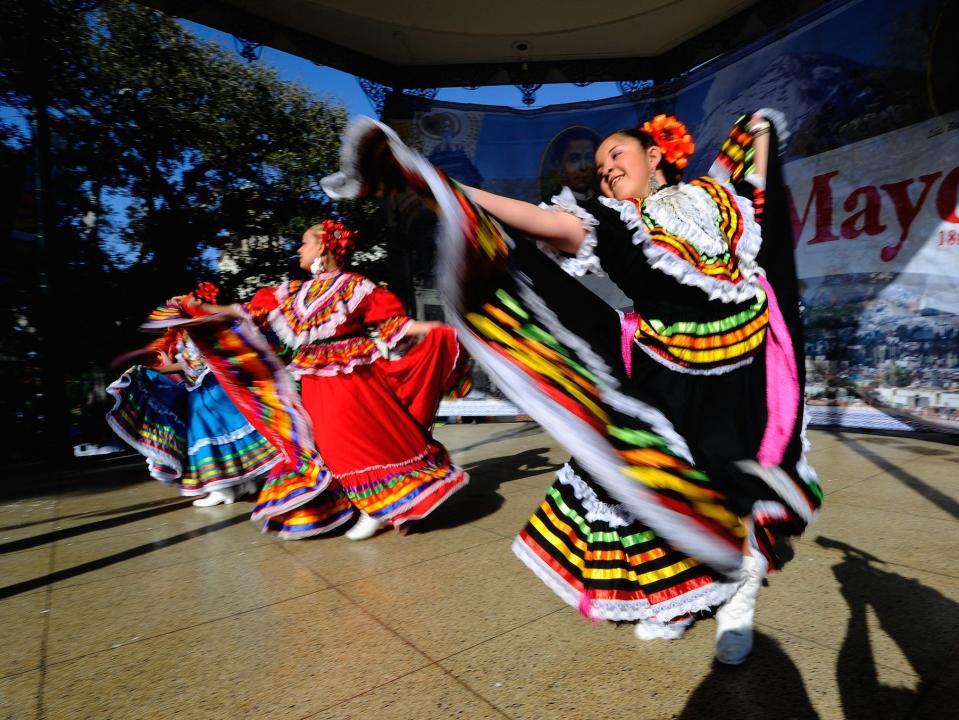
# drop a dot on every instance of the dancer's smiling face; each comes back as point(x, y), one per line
point(624, 166)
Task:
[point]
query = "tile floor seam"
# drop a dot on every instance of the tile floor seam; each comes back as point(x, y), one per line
point(80, 516)
point(18, 673)
point(470, 690)
point(434, 661)
point(284, 545)
point(366, 612)
point(818, 644)
point(500, 634)
point(375, 618)
point(403, 638)
point(112, 517)
point(45, 635)
point(366, 692)
point(862, 506)
point(79, 541)
point(500, 535)
point(400, 677)
point(139, 572)
point(863, 478)
point(186, 627)
point(496, 538)
point(385, 626)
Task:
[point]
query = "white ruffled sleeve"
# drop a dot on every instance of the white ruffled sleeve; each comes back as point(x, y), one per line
point(585, 261)
point(778, 119)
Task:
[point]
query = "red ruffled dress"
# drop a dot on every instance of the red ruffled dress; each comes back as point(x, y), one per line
point(371, 408)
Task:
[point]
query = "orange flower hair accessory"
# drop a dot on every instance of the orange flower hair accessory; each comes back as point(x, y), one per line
point(671, 136)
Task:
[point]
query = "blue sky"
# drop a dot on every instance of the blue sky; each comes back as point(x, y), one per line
point(345, 88)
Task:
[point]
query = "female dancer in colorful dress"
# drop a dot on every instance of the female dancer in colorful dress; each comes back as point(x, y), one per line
point(190, 432)
point(371, 408)
point(684, 417)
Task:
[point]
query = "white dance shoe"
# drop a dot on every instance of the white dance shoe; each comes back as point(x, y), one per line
point(365, 527)
point(227, 495)
point(734, 620)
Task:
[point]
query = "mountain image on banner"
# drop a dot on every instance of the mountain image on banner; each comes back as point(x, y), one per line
point(828, 101)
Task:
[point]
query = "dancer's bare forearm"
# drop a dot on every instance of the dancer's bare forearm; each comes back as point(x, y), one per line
point(760, 131)
point(560, 229)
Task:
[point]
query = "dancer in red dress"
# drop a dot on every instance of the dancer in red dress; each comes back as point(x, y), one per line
point(370, 392)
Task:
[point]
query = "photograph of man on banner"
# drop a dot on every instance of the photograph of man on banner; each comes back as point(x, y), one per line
point(569, 161)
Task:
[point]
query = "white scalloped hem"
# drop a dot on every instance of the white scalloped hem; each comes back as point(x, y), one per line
point(327, 330)
point(585, 261)
point(154, 459)
point(596, 509)
point(229, 437)
point(335, 368)
point(387, 466)
point(679, 269)
point(123, 381)
point(700, 600)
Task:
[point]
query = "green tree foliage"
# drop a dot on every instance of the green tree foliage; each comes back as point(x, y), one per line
point(164, 150)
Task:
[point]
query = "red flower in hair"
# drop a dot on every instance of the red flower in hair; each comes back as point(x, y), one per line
point(671, 136)
point(338, 239)
point(207, 292)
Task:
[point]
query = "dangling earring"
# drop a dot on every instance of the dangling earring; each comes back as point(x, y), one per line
point(316, 266)
point(654, 185)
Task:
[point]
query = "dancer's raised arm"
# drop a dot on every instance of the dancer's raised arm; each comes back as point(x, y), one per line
point(759, 127)
point(562, 230)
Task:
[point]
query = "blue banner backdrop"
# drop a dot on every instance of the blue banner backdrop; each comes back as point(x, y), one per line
point(871, 94)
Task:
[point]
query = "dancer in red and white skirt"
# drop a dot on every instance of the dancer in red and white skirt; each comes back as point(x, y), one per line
point(371, 406)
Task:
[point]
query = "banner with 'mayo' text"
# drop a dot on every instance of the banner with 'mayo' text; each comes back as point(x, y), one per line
point(871, 94)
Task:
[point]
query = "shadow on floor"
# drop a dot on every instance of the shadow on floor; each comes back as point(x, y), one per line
point(922, 622)
point(931, 494)
point(767, 686)
point(96, 513)
point(145, 549)
point(160, 507)
point(526, 429)
point(480, 498)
